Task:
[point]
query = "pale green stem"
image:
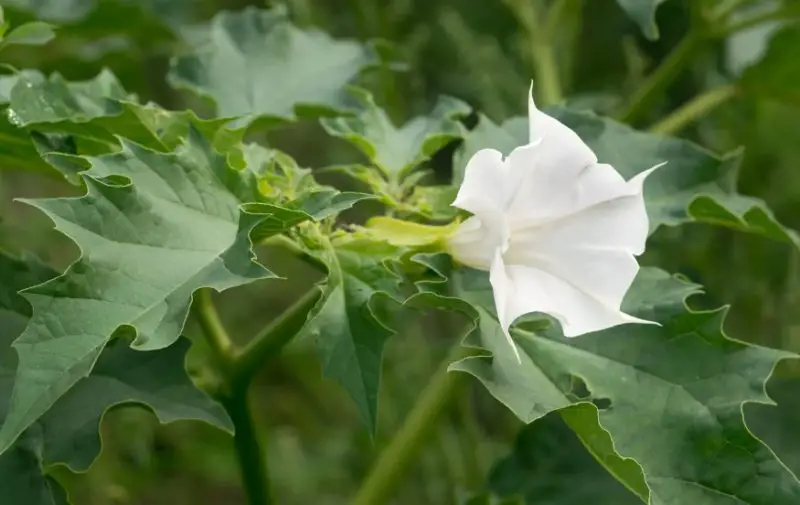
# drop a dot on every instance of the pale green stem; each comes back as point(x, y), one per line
point(397, 457)
point(213, 329)
point(548, 83)
point(694, 109)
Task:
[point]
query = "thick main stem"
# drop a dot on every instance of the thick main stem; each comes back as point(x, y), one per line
point(395, 459)
point(237, 370)
point(249, 450)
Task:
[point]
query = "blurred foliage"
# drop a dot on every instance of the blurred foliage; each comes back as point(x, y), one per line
point(480, 52)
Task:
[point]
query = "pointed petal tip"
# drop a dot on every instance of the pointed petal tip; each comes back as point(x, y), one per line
point(624, 319)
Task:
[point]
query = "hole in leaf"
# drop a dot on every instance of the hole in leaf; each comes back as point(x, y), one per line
point(601, 403)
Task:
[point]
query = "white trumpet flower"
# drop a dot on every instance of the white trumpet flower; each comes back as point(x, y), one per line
point(557, 230)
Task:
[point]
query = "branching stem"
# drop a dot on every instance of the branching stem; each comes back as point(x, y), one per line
point(237, 369)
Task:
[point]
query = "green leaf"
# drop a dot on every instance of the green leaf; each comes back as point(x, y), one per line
point(694, 186)
point(549, 464)
point(350, 323)
point(643, 12)
point(777, 424)
point(153, 228)
point(776, 74)
point(52, 118)
point(255, 63)
point(36, 99)
point(397, 151)
point(35, 33)
point(670, 396)
point(68, 432)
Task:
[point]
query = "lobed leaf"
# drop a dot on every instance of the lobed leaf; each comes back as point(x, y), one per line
point(351, 322)
point(397, 151)
point(153, 227)
point(255, 63)
point(51, 120)
point(549, 464)
point(68, 433)
point(694, 186)
point(670, 396)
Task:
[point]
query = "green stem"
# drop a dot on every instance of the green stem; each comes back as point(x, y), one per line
point(396, 458)
point(233, 396)
point(548, 82)
point(249, 451)
point(271, 339)
point(694, 109)
point(211, 324)
point(655, 84)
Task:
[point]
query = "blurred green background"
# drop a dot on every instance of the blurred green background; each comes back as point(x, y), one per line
point(479, 51)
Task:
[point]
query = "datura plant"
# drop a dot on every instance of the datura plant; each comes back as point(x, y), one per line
point(533, 245)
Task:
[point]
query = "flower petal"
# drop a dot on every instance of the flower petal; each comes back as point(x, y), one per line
point(473, 244)
point(604, 274)
point(485, 188)
point(504, 293)
point(562, 147)
point(607, 213)
point(528, 289)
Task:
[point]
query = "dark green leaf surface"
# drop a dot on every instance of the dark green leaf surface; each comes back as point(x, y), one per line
point(694, 185)
point(349, 323)
point(68, 432)
point(51, 118)
point(396, 151)
point(671, 396)
point(147, 246)
point(549, 464)
point(255, 63)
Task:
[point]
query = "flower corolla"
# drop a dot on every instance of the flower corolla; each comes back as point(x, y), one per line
point(558, 231)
